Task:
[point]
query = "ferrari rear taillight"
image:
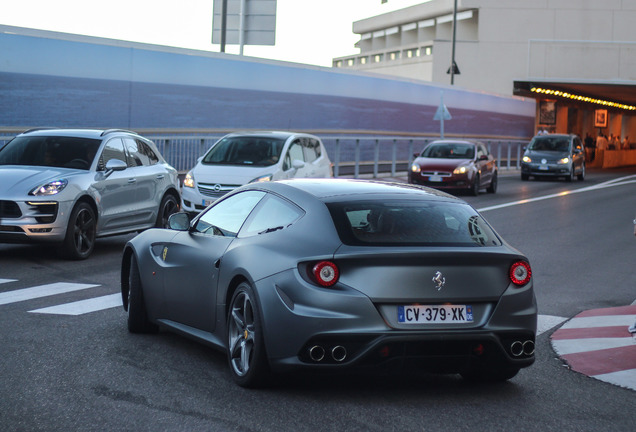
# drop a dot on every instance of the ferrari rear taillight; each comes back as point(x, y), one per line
point(520, 273)
point(326, 273)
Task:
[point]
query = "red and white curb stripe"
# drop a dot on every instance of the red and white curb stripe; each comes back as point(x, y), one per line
point(597, 343)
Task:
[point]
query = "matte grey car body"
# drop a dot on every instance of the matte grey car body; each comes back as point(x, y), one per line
point(70, 186)
point(554, 155)
point(332, 274)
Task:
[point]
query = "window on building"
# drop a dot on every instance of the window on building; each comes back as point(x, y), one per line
point(350, 62)
point(377, 58)
point(428, 50)
point(394, 55)
point(411, 53)
point(337, 63)
point(363, 60)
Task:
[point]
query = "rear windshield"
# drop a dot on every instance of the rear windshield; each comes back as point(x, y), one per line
point(250, 151)
point(547, 143)
point(411, 223)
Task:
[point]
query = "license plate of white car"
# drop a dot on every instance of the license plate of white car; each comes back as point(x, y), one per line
point(434, 178)
point(435, 314)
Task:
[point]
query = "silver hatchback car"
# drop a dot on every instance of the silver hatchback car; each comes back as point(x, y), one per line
point(70, 186)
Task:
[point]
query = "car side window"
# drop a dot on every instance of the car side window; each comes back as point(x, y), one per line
point(312, 149)
point(272, 214)
point(114, 149)
point(295, 152)
point(481, 151)
point(226, 217)
point(139, 153)
point(577, 144)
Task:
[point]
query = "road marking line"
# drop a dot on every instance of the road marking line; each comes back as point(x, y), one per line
point(599, 321)
point(615, 182)
point(83, 306)
point(7, 280)
point(41, 291)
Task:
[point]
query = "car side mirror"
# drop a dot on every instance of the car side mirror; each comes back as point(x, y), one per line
point(115, 165)
point(297, 164)
point(179, 221)
point(416, 155)
point(483, 157)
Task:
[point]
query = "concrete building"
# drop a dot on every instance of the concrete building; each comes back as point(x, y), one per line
point(577, 58)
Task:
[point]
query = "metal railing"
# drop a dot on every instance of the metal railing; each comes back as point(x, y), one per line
point(352, 155)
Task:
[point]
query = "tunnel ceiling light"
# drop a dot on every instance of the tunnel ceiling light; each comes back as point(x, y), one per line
point(581, 98)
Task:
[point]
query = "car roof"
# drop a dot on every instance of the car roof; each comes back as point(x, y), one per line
point(78, 132)
point(272, 134)
point(337, 189)
point(454, 141)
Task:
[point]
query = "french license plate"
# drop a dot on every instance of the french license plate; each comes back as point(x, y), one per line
point(206, 203)
point(438, 314)
point(435, 178)
point(543, 167)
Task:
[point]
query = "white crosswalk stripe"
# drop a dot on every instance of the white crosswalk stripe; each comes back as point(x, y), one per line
point(83, 306)
point(41, 291)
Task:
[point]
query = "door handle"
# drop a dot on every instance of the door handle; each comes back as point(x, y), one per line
point(160, 176)
point(132, 180)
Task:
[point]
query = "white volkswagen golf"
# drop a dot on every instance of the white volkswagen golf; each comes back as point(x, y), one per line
point(245, 157)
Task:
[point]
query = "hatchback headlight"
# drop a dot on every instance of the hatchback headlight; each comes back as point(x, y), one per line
point(564, 160)
point(50, 188)
point(526, 159)
point(416, 168)
point(188, 181)
point(264, 178)
point(460, 170)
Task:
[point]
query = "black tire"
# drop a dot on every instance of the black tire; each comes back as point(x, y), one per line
point(525, 177)
point(246, 347)
point(474, 188)
point(489, 374)
point(493, 184)
point(81, 232)
point(137, 316)
point(581, 175)
point(169, 205)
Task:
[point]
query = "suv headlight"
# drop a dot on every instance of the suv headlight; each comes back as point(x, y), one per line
point(526, 159)
point(50, 188)
point(188, 181)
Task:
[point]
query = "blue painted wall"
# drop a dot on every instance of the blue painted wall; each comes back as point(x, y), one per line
point(48, 79)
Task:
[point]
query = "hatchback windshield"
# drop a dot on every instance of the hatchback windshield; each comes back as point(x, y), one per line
point(558, 144)
point(404, 223)
point(51, 151)
point(251, 151)
point(449, 151)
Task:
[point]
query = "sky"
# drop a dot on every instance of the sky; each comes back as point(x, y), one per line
point(307, 31)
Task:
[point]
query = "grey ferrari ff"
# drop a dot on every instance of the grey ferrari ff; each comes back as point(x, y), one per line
point(335, 275)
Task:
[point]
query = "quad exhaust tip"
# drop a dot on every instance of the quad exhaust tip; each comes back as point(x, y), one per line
point(317, 353)
point(518, 348)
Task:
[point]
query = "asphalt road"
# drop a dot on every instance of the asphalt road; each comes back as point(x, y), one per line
point(86, 372)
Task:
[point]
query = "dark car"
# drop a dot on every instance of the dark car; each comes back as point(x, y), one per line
point(332, 274)
point(455, 165)
point(70, 186)
point(554, 155)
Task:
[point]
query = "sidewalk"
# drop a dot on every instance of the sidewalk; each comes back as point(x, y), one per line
point(597, 343)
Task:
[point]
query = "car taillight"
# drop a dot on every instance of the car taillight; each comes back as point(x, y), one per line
point(520, 273)
point(326, 273)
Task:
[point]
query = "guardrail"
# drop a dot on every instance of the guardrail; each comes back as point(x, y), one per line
point(351, 154)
